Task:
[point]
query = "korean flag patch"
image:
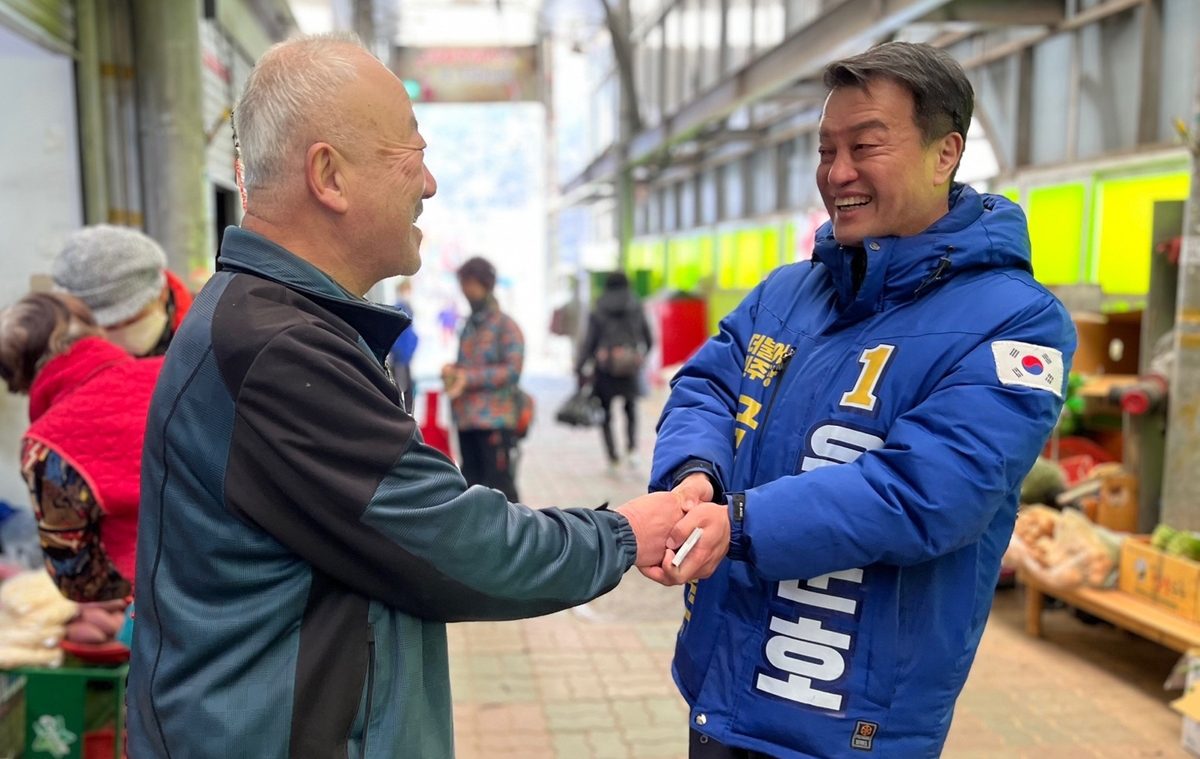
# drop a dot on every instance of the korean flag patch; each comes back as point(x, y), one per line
point(1029, 365)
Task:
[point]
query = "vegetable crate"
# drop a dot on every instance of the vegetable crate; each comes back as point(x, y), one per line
point(73, 711)
point(1171, 582)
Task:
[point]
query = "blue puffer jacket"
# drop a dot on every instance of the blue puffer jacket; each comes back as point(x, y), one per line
point(871, 442)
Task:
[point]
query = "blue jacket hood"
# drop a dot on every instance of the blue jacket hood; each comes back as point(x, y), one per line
point(979, 231)
point(872, 445)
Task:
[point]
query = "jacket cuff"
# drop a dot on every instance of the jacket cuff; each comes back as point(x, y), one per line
point(692, 466)
point(626, 540)
point(739, 543)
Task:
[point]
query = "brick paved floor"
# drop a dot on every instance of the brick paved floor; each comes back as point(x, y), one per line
point(594, 683)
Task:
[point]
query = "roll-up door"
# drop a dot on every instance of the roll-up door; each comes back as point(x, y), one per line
point(218, 103)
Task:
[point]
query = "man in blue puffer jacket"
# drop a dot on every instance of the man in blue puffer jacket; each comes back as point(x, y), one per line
point(867, 418)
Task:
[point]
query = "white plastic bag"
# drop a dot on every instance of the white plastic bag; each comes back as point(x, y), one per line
point(1064, 550)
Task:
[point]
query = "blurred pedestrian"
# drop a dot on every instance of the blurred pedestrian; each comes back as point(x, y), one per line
point(401, 355)
point(300, 547)
point(122, 276)
point(483, 384)
point(82, 454)
point(617, 341)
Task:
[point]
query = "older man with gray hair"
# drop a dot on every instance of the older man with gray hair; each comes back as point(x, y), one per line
point(300, 547)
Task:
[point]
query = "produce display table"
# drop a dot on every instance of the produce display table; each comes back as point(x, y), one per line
point(1126, 611)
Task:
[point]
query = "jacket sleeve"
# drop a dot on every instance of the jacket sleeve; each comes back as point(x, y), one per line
point(947, 467)
point(323, 460)
point(66, 508)
point(696, 430)
point(506, 373)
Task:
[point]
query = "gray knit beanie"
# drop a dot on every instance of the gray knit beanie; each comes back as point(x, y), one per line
point(116, 271)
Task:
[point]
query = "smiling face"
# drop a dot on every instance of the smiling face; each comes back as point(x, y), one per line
point(392, 180)
point(876, 175)
point(403, 183)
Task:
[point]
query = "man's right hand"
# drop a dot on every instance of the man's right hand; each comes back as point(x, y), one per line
point(695, 489)
point(652, 518)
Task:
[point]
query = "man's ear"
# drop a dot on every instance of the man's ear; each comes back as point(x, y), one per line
point(325, 176)
point(949, 153)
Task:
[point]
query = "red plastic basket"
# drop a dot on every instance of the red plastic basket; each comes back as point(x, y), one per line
point(98, 744)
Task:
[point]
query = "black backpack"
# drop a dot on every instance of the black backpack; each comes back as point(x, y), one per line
point(618, 353)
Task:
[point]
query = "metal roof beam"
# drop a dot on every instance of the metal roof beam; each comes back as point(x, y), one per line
point(1078, 21)
point(1008, 13)
point(849, 25)
point(604, 166)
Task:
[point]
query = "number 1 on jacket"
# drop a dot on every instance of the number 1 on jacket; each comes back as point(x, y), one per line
point(874, 361)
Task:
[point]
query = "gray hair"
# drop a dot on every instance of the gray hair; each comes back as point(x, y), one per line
point(943, 99)
point(292, 83)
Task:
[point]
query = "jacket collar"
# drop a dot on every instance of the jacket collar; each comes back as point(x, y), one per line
point(979, 231)
point(69, 371)
point(489, 307)
point(250, 253)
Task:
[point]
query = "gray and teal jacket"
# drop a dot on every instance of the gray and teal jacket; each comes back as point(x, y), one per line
point(300, 549)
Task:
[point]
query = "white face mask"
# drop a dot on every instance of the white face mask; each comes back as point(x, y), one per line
point(140, 337)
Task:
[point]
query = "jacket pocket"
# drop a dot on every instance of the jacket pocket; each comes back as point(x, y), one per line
point(883, 638)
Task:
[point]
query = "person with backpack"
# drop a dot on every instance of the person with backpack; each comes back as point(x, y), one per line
point(488, 406)
point(617, 341)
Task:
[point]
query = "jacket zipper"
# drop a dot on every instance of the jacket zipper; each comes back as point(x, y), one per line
point(783, 365)
point(942, 265)
point(370, 686)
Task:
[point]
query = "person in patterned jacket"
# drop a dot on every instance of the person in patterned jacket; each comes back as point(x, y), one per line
point(483, 384)
point(82, 454)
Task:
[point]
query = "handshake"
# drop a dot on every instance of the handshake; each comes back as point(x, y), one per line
point(662, 523)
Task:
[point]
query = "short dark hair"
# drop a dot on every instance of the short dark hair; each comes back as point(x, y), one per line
point(617, 280)
point(943, 99)
point(480, 270)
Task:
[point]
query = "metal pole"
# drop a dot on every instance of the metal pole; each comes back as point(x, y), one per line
point(171, 128)
point(1181, 485)
point(91, 115)
point(630, 124)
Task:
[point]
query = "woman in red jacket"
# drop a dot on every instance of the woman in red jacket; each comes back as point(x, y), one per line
point(82, 454)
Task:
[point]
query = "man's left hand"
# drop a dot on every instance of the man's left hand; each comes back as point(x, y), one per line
point(708, 552)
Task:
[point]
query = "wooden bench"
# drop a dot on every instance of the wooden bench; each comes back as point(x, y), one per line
point(1126, 611)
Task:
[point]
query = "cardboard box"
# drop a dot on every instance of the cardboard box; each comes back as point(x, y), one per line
point(1118, 506)
point(1171, 582)
point(1140, 567)
point(1097, 333)
point(1178, 581)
